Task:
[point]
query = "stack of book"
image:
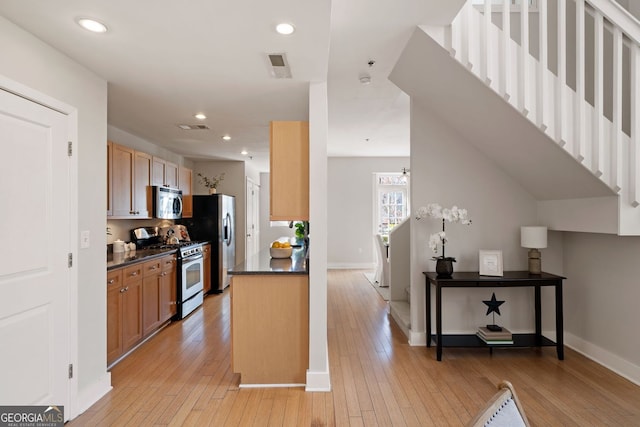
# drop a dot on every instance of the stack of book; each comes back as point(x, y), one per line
point(495, 337)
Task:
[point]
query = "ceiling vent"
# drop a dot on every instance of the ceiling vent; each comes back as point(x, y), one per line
point(279, 66)
point(193, 127)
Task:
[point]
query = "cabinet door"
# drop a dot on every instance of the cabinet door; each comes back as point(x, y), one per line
point(132, 314)
point(114, 315)
point(185, 177)
point(157, 177)
point(289, 171)
point(142, 185)
point(171, 174)
point(150, 303)
point(168, 289)
point(109, 175)
point(122, 180)
point(206, 282)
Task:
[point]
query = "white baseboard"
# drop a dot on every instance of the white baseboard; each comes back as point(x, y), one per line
point(604, 357)
point(350, 266)
point(318, 381)
point(93, 393)
point(417, 339)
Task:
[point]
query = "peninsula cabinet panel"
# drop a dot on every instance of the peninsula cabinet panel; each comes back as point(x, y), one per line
point(270, 328)
point(289, 171)
point(185, 178)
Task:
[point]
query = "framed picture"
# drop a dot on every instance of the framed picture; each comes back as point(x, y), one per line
point(490, 262)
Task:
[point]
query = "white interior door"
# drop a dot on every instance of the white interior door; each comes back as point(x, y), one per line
point(252, 244)
point(34, 273)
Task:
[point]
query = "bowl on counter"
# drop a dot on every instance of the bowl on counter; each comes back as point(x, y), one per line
point(280, 252)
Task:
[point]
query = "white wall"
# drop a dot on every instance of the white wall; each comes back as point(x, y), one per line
point(31, 62)
point(351, 203)
point(601, 297)
point(450, 171)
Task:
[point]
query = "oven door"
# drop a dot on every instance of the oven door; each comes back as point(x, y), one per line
point(192, 277)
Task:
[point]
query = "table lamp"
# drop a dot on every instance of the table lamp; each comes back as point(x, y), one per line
point(534, 238)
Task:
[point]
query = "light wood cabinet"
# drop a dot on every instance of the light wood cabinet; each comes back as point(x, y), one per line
point(270, 328)
point(185, 183)
point(289, 171)
point(130, 183)
point(206, 260)
point(140, 299)
point(109, 175)
point(164, 173)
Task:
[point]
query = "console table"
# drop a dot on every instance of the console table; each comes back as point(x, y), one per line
point(509, 279)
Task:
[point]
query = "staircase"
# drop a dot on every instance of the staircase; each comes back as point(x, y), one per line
point(570, 71)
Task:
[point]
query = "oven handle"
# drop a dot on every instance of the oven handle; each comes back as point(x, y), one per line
point(192, 258)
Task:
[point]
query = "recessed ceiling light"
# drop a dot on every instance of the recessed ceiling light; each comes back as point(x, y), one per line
point(226, 137)
point(200, 116)
point(92, 25)
point(244, 152)
point(285, 28)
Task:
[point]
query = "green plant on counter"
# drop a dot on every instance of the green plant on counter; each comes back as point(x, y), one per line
point(300, 229)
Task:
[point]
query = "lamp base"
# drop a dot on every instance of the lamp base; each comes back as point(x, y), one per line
point(535, 262)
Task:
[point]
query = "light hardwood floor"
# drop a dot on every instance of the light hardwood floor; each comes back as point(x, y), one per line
point(182, 377)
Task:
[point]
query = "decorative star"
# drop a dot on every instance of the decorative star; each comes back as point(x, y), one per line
point(493, 305)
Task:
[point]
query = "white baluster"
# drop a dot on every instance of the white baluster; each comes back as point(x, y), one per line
point(616, 129)
point(634, 148)
point(488, 47)
point(523, 75)
point(560, 124)
point(579, 143)
point(543, 65)
point(597, 156)
point(465, 35)
point(472, 37)
point(504, 47)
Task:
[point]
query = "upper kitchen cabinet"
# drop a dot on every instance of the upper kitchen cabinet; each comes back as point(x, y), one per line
point(289, 171)
point(130, 172)
point(185, 177)
point(164, 173)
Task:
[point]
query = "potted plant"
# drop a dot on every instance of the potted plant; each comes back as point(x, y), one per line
point(444, 264)
point(211, 183)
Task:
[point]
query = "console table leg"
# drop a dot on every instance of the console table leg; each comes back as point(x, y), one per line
point(559, 322)
point(438, 322)
point(427, 307)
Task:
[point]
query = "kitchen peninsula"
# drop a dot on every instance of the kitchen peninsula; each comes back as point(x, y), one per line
point(270, 319)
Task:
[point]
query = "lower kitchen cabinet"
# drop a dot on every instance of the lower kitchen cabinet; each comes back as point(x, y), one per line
point(140, 299)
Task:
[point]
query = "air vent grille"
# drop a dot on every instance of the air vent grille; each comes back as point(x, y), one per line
point(193, 127)
point(279, 66)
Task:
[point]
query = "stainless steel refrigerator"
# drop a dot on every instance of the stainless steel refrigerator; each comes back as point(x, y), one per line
point(214, 221)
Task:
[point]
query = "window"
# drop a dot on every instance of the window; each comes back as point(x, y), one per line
point(392, 195)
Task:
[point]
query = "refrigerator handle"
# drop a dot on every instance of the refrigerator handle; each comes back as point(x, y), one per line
point(227, 229)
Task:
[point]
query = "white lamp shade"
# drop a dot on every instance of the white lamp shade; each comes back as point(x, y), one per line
point(533, 237)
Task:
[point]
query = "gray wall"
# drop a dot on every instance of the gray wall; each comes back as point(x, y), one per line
point(351, 208)
point(31, 62)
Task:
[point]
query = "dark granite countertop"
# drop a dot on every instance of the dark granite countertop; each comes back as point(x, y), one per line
point(262, 263)
point(124, 259)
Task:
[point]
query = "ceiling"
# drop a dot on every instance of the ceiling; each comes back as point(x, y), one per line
point(165, 61)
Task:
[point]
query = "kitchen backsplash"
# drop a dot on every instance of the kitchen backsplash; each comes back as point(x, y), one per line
point(121, 228)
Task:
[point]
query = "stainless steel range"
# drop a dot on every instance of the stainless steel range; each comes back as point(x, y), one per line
point(190, 265)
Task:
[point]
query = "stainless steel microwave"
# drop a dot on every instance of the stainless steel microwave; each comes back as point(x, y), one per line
point(167, 203)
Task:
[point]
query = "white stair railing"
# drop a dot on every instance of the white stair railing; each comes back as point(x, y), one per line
point(598, 125)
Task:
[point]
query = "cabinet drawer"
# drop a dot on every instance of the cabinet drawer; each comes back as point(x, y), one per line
point(114, 278)
point(132, 273)
point(168, 263)
point(151, 268)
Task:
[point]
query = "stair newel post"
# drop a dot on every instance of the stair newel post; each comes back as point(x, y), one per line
point(562, 75)
point(505, 64)
point(597, 147)
point(523, 75)
point(543, 65)
point(616, 130)
point(634, 147)
point(579, 147)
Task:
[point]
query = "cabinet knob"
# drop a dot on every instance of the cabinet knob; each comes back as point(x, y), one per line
point(135, 273)
point(111, 281)
point(154, 267)
point(126, 289)
point(123, 290)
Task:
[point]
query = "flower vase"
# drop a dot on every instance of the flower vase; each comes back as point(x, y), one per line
point(444, 267)
point(212, 191)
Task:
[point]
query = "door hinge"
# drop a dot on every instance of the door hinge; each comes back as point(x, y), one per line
point(70, 260)
point(69, 148)
point(70, 370)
